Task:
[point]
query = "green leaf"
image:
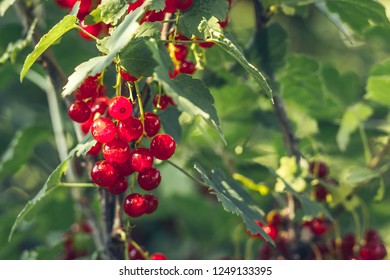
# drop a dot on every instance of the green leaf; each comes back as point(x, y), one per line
point(51, 184)
point(235, 199)
point(5, 5)
point(21, 148)
point(149, 29)
point(170, 122)
point(378, 84)
point(359, 15)
point(213, 32)
point(157, 5)
point(358, 175)
point(190, 19)
point(380, 194)
point(120, 37)
point(352, 118)
point(13, 49)
point(66, 24)
point(190, 95)
point(137, 58)
point(108, 11)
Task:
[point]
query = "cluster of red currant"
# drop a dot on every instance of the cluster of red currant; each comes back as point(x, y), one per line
point(70, 249)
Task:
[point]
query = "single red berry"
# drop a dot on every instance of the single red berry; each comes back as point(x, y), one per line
point(161, 101)
point(320, 192)
point(130, 129)
point(206, 45)
point(88, 89)
point(103, 130)
point(124, 169)
point(127, 77)
point(271, 230)
point(176, 72)
point(273, 218)
point(372, 235)
point(141, 159)
point(151, 202)
point(170, 6)
point(99, 105)
point(79, 111)
point(149, 179)
point(183, 4)
point(95, 149)
point(86, 126)
point(120, 108)
point(116, 151)
point(373, 251)
point(152, 124)
point(163, 146)
point(84, 9)
point(187, 67)
point(318, 226)
point(94, 30)
point(120, 186)
point(104, 173)
point(134, 205)
point(158, 256)
point(318, 169)
point(181, 51)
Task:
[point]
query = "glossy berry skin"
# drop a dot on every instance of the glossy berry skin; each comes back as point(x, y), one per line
point(99, 105)
point(95, 149)
point(161, 104)
point(187, 67)
point(158, 256)
point(141, 159)
point(120, 108)
point(149, 179)
point(318, 226)
point(79, 111)
point(124, 169)
point(104, 173)
point(163, 146)
point(103, 130)
point(152, 124)
point(116, 151)
point(181, 51)
point(151, 202)
point(120, 186)
point(130, 129)
point(134, 205)
point(127, 77)
point(318, 169)
point(88, 89)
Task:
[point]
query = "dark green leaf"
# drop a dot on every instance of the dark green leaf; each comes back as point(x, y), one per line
point(50, 185)
point(157, 5)
point(379, 83)
point(5, 5)
point(213, 32)
point(360, 14)
point(359, 175)
point(190, 95)
point(137, 58)
point(170, 122)
point(190, 20)
point(111, 11)
point(66, 24)
point(149, 29)
point(235, 199)
point(21, 148)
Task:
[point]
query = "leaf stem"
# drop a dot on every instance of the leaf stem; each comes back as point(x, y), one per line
point(141, 111)
point(77, 185)
point(366, 146)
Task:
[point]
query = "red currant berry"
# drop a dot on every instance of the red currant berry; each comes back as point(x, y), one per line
point(104, 173)
point(66, 3)
point(206, 45)
point(318, 169)
point(135, 5)
point(130, 129)
point(120, 108)
point(120, 186)
point(152, 16)
point(103, 130)
point(134, 254)
point(95, 149)
point(170, 6)
point(318, 226)
point(141, 159)
point(84, 9)
point(79, 111)
point(94, 30)
point(116, 151)
point(99, 105)
point(134, 205)
point(124, 169)
point(152, 124)
point(161, 101)
point(183, 4)
point(158, 257)
point(181, 51)
point(347, 244)
point(176, 72)
point(151, 202)
point(187, 67)
point(86, 126)
point(127, 77)
point(273, 218)
point(88, 89)
point(320, 192)
point(149, 179)
point(373, 251)
point(372, 235)
point(271, 230)
point(163, 146)
point(224, 23)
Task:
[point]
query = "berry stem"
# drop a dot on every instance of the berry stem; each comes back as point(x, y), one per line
point(77, 185)
point(141, 111)
point(85, 32)
point(184, 41)
point(118, 83)
point(366, 145)
point(144, 254)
